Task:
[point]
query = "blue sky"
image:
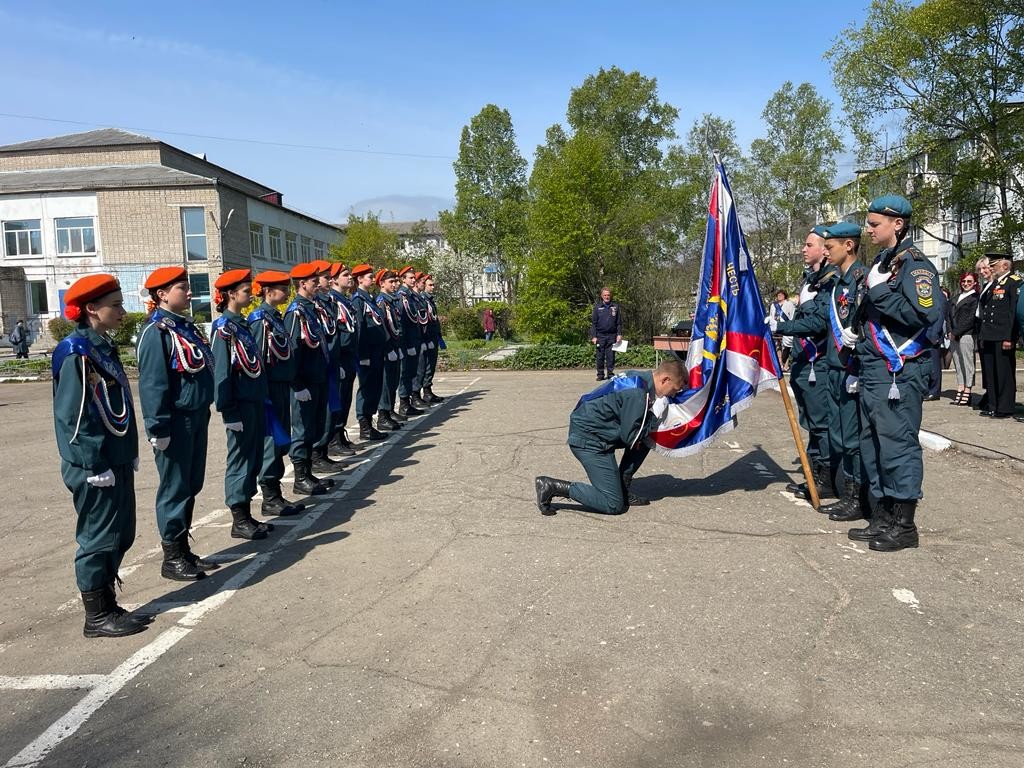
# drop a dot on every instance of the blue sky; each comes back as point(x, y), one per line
point(399, 78)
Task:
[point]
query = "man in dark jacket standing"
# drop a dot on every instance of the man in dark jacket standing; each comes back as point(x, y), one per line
point(998, 336)
point(605, 330)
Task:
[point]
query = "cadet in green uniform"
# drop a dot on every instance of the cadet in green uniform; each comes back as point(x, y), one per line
point(309, 408)
point(327, 312)
point(413, 316)
point(423, 385)
point(176, 390)
point(618, 414)
point(240, 393)
point(900, 307)
point(809, 371)
point(372, 342)
point(267, 327)
point(348, 362)
point(389, 306)
point(98, 442)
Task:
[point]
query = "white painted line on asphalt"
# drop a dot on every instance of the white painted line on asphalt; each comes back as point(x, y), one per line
point(229, 557)
point(49, 682)
point(160, 606)
point(110, 684)
point(798, 501)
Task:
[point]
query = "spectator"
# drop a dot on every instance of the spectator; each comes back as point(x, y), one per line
point(961, 336)
point(983, 269)
point(605, 330)
point(783, 309)
point(488, 323)
point(998, 335)
point(936, 337)
point(19, 340)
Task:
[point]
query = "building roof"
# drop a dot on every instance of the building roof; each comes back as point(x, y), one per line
point(103, 137)
point(422, 228)
point(98, 177)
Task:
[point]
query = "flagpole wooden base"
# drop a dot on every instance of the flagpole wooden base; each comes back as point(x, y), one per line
point(812, 489)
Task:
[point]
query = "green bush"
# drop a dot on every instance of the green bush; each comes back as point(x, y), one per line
point(504, 316)
point(544, 357)
point(60, 328)
point(129, 327)
point(462, 323)
point(474, 344)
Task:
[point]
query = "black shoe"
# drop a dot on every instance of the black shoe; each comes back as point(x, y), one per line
point(1019, 418)
point(340, 447)
point(305, 484)
point(986, 413)
point(633, 499)
point(384, 421)
point(599, 377)
point(430, 397)
point(406, 408)
point(881, 519)
point(930, 398)
point(848, 507)
point(902, 534)
point(417, 403)
point(175, 566)
point(104, 618)
point(196, 560)
point(548, 488)
point(368, 432)
point(324, 464)
point(274, 504)
point(396, 416)
point(243, 526)
point(138, 618)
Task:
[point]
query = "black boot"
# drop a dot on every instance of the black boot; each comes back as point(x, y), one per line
point(175, 566)
point(197, 562)
point(406, 408)
point(324, 464)
point(547, 489)
point(276, 504)
point(881, 519)
point(417, 401)
point(368, 432)
point(430, 397)
point(102, 619)
point(631, 498)
point(304, 483)
point(848, 507)
point(396, 416)
point(341, 446)
point(822, 474)
point(138, 618)
point(243, 526)
point(384, 421)
point(902, 534)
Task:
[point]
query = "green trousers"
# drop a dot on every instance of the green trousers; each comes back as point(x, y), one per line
point(606, 493)
point(272, 468)
point(815, 404)
point(392, 378)
point(844, 430)
point(308, 419)
point(889, 441)
point(182, 470)
point(105, 528)
point(245, 455)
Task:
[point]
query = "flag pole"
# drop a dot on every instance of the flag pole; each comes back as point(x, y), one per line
point(812, 488)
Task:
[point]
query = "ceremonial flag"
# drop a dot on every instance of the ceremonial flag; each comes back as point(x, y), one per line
point(731, 355)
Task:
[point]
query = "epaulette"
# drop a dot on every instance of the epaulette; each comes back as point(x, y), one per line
point(1015, 276)
point(859, 273)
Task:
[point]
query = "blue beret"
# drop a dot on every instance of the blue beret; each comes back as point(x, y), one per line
point(891, 205)
point(842, 230)
point(819, 230)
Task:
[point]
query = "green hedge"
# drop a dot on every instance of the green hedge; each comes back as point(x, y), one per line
point(544, 357)
point(60, 328)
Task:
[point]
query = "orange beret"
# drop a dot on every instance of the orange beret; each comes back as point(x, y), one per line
point(164, 276)
point(303, 271)
point(379, 276)
point(407, 268)
point(361, 269)
point(322, 267)
point(420, 276)
point(86, 289)
point(426, 276)
point(272, 277)
point(233, 277)
point(337, 268)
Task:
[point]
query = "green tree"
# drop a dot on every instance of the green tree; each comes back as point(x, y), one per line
point(366, 242)
point(488, 224)
point(788, 177)
point(933, 95)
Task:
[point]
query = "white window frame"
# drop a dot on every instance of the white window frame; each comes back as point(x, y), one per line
point(201, 298)
point(186, 235)
point(318, 249)
point(307, 244)
point(28, 235)
point(257, 248)
point(276, 251)
point(291, 247)
point(70, 232)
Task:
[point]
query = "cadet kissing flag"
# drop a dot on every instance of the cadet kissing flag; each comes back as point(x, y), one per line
point(731, 356)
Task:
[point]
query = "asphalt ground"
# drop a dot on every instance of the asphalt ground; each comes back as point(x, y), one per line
point(428, 615)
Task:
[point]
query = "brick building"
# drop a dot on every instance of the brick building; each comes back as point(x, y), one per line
point(113, 201)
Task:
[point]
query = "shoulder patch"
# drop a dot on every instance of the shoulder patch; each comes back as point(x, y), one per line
point(858, 273)
point(1015, 276)
point(923, 286)
point(921, 272)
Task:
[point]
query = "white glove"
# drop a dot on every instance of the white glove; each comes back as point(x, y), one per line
point(659, 407)
point(807, 293)
point(233, 426)
point(392, 356)
point(877, 277)
point(160, 443)
point(852, 385)
point(401, 355)
point(135, 464)
point(423, 346)
point(849, 338)
point(104, 480)
point(773, 324)
point(410, 351)
point(365, 363)
point(430, 344)
point(303, 396)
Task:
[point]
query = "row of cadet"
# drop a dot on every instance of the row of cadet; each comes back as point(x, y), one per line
point(283, 385)
point(861, 370)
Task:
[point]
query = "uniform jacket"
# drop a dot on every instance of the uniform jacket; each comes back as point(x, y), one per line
point(271, 336)
point(839, 295)
point(606, 319)
point(433, 326)
point(619, 419)
point(327, 311)
point(307, 336)
point(175, 370)
point(372, 334)
point(82, 437)
point(348, 326)
point(997, 308)
point(413, 309)
point(809, 322)
point(238, 374)
point(390, 307)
